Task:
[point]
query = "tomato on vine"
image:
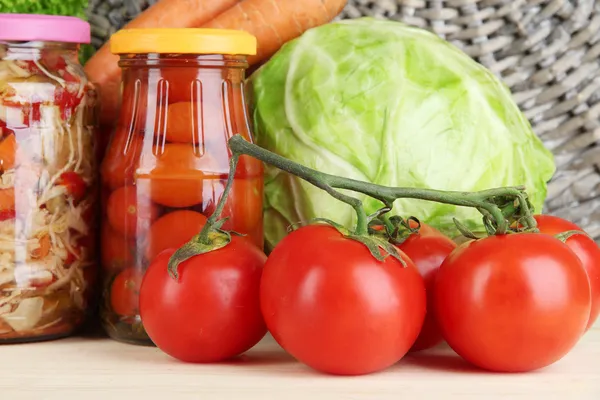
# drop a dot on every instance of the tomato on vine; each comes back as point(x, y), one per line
point(428, 248)
point(211, 311)
point(512, 303)
point(332, 305)
point(585, 248)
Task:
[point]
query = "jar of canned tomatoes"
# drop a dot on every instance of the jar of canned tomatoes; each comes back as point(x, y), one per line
point(48, 180)
point(168, 162)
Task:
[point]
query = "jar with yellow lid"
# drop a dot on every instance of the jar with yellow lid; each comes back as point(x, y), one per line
point(167, 162)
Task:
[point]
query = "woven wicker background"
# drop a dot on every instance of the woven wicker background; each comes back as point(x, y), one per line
point(546, 51)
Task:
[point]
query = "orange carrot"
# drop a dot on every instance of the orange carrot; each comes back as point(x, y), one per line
point(44, 249)
point(8, 151)
point(275, 22)
point(102, 68)
point(7, 199)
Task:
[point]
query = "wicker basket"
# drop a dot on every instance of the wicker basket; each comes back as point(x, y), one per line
point(546, 51)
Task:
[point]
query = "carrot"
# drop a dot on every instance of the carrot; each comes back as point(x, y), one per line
point(44, 249)
point(274, 22)
point(8, 151)
point(7, 199)
point(102, 68)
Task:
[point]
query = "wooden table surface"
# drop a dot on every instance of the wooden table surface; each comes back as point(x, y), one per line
point(87, 368)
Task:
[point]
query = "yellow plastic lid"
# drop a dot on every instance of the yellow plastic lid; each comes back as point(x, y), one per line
point(182, 41)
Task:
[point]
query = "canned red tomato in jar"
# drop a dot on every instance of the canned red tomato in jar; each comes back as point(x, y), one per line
point(167, 163)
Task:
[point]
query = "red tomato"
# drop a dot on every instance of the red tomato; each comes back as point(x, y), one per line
point(121, 158)
point(586, 249)
point(129, 212)
point(173, 230)
point(117, 252)
point(428, 249)
point(193, 84)
point(212, 311)
point(512, 303)
point(124, 293)
point(74, 183)
point(184, 84)
point(177, 174)
point(333, 306)
point(184, 122)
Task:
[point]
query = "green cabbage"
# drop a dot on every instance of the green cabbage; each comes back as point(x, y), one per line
point(384, 102)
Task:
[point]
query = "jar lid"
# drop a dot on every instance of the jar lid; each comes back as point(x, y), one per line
point(183, 41)
point(46, 28)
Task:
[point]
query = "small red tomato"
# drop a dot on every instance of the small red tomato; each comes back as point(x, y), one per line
point(74, 183)
point(121, 158)
point(124, 293)
point(177, 174)
point(428, 249)
point(117, 252)
point(512, 303)
point(130, 213)
point(332, 305)
point(586, 249)
point(211, 312)
point(173, 230)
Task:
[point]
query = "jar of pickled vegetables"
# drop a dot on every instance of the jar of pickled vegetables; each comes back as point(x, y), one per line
point(48, 178)
point(167, 163)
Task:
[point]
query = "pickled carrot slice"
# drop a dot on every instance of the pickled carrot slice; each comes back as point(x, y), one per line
point(7, 199)
point(8, 152)
point(44, 249)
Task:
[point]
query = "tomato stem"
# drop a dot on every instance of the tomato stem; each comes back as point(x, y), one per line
point(204, 233)
point(211, 237)
point(488, 202)
point(215, 239)
point(564, 236)
point(239, 145)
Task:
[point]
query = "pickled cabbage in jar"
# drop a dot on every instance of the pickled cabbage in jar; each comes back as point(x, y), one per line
point(47, 190)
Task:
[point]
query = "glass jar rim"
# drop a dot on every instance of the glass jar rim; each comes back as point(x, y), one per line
point(158, 60)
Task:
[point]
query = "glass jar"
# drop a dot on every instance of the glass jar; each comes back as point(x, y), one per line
point(48, 178)
point(167, 163)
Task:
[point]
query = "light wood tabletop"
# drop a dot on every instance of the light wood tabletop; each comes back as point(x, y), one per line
point(86, 368)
